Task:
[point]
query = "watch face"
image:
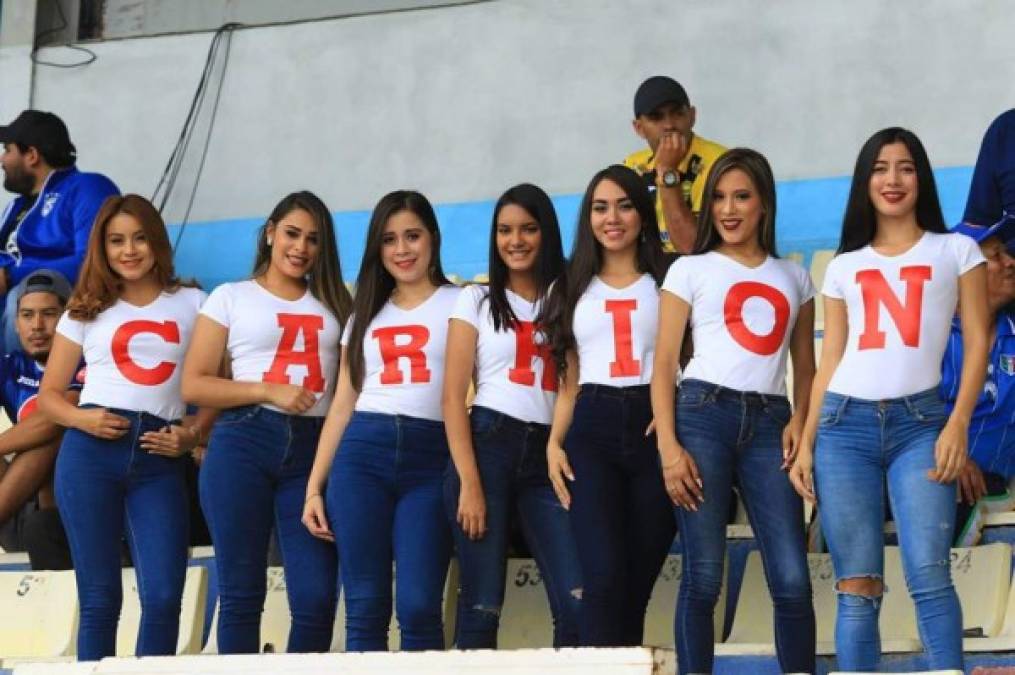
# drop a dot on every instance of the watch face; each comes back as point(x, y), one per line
point(670, 178)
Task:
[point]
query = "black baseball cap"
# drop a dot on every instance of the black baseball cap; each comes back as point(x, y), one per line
point(43, 281)
point(657, 90)
point(44, 131)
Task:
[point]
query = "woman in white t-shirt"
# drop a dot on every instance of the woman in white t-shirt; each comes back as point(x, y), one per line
point(876, 417)
point(747, 309)
point(383, 490)
point(499, 450)
point(278, 332)
point(601, 318)
point(121, 466)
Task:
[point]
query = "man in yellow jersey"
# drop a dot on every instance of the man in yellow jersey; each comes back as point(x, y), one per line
point(676, 162)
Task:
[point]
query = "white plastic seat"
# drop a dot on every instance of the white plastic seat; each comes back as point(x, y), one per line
point(40, 614)
point(276, 618)
point(981, 576)
point(195, 595)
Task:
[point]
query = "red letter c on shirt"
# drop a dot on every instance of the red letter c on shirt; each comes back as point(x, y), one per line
point(167, 330)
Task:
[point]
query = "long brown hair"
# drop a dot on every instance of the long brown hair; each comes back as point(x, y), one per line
point(325, 277)
point(757, 168)
point(374, 284)
point(98, 286)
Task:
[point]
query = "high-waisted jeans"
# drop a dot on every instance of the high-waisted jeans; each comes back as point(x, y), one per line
point(621, 517)
point(735, 437)
point(106, 487)
point(511, 456)
point(253, 479)
point(861, 445)
point(384, 501)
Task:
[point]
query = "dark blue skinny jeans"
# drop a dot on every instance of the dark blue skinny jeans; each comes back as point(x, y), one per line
point(253, 479)
point(511, 456)
point(735, 437)
point(107, 487)
point(385, 503)
point(621, 517)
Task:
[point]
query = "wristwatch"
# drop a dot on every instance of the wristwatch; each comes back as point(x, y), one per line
point(669, 178)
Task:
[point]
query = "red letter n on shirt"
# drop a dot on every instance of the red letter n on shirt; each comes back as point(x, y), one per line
point(624, 363)
point(392, 349)
point(526, 349)
point(294, 325)
point(876, 292)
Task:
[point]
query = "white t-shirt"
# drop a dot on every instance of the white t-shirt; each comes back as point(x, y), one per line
point(134, 355)
point(741, 318)
point(276, 340)
point(899, 310)
point(403, 351)
point(615, 330)
point(515, 373)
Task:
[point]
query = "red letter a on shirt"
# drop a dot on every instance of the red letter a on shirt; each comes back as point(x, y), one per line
point(526, 349)
point(876, 291)
point(292, 325)
point(624, 364)
point(391, 351)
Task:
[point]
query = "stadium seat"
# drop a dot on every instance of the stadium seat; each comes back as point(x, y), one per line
point(195, 593)
point(819, 263)
point(981, 576)
point(276, 619)
point(40, 614)
point(526, 621)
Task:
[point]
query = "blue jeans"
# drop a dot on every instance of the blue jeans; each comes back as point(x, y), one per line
point(384, 500)
point(861, 444)
point(104, 488)
point(735, 437)
point(621, 517)
point(511, 455)
point(254, 478)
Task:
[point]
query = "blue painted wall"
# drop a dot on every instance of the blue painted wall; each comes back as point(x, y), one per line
point(809, 218)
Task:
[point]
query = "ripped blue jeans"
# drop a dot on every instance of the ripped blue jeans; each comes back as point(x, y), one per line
point(861, 445)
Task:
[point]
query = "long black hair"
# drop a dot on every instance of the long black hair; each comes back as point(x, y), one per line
point(374, 284)
point(325, 277)
point(859, 223)
point(757, 168)
point(549, 260)
point(587, 258)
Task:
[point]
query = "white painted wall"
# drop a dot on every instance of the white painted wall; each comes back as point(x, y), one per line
point(463, 101)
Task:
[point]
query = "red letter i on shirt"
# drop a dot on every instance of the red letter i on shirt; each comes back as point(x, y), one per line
point(624, 364)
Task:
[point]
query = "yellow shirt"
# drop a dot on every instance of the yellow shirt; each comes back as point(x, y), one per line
point(702, 154)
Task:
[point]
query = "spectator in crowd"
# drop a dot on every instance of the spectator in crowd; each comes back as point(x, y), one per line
point(601, 320)
point(992, 193)
point(876, 416)
point(28, 512)
point(990, 220)
point(676, 161)
point(47, 224)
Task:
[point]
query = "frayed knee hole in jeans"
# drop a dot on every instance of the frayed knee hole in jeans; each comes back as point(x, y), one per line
point(866, 587)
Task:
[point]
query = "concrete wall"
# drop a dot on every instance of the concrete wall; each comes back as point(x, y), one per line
point(461, 102)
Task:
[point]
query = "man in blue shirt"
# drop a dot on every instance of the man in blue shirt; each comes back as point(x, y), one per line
point(48, 224)
point(983, 485)
point(992, 192)
point(28, 516)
